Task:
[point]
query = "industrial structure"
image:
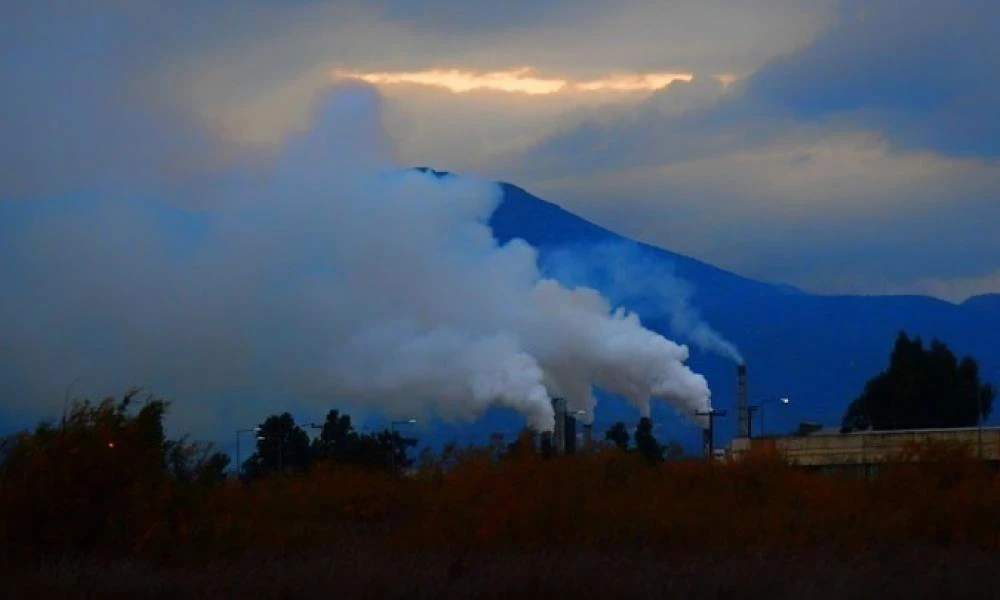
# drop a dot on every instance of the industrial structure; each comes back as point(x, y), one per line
point(743, 417)
point(862, 452)
point(828, 449)
point(564, 432)
point(588, 435)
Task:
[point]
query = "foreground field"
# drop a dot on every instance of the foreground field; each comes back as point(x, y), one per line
point(106, 507)
point(574, 573)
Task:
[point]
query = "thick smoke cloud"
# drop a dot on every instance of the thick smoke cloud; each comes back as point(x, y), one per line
point(627, 276)
point(328, 273)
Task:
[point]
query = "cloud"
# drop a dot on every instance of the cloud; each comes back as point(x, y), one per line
point(634, 35)
point(863, 158)
point(80, 78)
point(72, 107)
point(324, 273)
point(267, 62)
point(924, 75)
point(829, 213)
point(523, 80)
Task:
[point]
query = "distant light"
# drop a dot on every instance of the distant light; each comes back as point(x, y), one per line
point(111, 444)
point(261, 438)
point(256, 429)
point(785, 400)
point(411, 421)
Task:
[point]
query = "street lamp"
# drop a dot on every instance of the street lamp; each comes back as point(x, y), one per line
point(759, 407)
point(239, 465)
point(392, 433)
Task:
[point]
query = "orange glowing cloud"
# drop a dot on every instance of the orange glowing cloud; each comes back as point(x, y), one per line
point(523, 80)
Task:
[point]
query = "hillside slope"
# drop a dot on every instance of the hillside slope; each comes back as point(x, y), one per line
point(817, 350)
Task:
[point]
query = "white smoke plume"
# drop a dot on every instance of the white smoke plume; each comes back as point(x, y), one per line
point(326, 273)
point(628, 276)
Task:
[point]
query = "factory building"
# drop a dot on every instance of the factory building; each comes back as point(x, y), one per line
point(826, 449)
point(862, 452)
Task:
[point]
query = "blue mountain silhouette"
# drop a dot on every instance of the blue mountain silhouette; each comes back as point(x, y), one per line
point(817, 350)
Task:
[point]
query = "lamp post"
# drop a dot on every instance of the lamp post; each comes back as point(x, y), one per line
point(239, 465)
point(760, 407)
point(392, 439)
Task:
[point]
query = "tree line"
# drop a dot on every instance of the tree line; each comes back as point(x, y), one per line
point(922, 388)
point(283, 445)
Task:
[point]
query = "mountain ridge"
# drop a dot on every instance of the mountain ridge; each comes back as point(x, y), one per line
point(816, 349)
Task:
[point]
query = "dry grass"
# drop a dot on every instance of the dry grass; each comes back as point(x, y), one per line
point(586, 526)
point(378, 573)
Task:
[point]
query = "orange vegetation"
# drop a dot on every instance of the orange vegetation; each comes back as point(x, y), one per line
point(80, 497)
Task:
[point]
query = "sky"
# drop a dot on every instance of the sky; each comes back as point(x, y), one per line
point(841, 147)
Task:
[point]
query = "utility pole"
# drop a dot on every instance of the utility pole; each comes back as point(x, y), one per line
point(709, 433)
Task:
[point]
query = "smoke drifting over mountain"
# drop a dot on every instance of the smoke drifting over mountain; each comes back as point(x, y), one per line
point(626, 276)
point(329, 274)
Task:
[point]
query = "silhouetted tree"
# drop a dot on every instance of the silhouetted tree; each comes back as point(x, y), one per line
point(618, 434)
point(212, 468)
point(384, 450)
point(339, 442)
point(922, 388)
point(195, 462)
point(92, 479)
point(281, 445)
point(523, 446)
point(646, 443)
point(395, 446)
point(673, 451)
point(337, 438)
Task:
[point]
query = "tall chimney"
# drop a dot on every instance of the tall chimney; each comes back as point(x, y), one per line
point(706, 439)
point(545, 444)
point(743, 430)
point(559, 433)
point(569, 435)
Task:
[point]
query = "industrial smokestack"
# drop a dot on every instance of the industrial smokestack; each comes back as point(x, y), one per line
point(569, 435)
point(743, 429)
point(559, 432)
point(545, 444)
